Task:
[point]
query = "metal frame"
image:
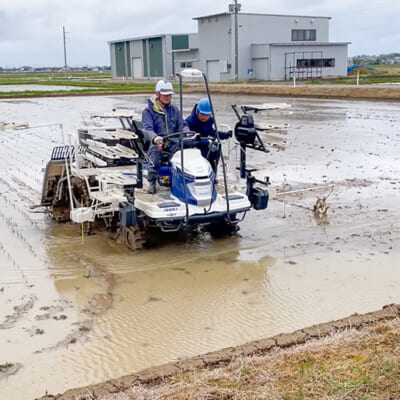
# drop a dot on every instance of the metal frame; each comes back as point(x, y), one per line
point(305, 73)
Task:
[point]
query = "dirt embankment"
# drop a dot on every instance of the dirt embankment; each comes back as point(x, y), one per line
point(216, 374)
point(367, 92)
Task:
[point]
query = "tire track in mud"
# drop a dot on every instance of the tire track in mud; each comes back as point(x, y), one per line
point(19, 311)
point(96, 305)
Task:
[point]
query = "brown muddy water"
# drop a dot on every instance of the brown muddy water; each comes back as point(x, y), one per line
point(74, 313)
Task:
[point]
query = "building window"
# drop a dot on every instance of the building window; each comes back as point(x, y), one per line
point(315, 63)
point(328, 62)
point(304, 35)
point(186, 64)
point(180, 42)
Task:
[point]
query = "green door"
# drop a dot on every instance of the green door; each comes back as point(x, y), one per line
point(119, 49)
point(156, 57)
point(122, 57)
point(127, 58)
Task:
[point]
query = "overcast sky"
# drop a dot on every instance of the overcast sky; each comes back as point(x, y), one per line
point(31, 30)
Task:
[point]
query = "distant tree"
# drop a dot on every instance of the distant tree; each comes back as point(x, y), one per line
point(364, 59)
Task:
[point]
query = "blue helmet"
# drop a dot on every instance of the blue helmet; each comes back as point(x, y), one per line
point(204, 107)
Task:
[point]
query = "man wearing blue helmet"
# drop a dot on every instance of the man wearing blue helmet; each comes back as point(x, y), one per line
point(202, 122)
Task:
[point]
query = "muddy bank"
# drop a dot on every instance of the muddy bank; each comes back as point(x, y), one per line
point(323, 91)
point(155, 376)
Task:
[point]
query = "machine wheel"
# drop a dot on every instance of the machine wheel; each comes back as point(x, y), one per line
point(61, 207)
point(134, 237)
point(223, 229)
point(60, 210)
point(80, 192)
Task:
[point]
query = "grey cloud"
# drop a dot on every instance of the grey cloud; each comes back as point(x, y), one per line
point(31, 32)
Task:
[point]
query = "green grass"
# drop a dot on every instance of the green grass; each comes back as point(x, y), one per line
point(395, 68)
point(89, 82)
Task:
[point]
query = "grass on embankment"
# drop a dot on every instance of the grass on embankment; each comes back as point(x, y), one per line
point(349, 365)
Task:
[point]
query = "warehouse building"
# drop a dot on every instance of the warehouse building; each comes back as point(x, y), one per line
point(152, 56)
point(269, 47)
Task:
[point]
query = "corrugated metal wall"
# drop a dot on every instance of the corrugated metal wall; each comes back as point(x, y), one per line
point(156, 57)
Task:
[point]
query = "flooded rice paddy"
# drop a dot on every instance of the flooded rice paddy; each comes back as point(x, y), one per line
point(75, 312)
point(37, 88)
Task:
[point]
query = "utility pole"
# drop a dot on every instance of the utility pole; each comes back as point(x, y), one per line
point(235, 8)
point(65, 53)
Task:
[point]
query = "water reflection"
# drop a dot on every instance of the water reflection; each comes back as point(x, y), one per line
point(185, 295)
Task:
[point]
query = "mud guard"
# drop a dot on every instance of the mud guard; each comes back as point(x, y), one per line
point(54, 171)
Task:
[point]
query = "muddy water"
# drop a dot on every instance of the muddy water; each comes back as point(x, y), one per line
point(75, 312)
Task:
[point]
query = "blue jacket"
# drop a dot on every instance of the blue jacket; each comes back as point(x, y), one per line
point(205, 129)
point(161, 122)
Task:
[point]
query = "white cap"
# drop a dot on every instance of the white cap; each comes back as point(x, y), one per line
point(164, 87)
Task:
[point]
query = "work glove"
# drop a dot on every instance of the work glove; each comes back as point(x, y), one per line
point(214, 147)
point(225, 135)
point(203, 142)
point(157, 140)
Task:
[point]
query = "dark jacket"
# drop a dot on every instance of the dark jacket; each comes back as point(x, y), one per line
point(161, 122)
point(206, 129)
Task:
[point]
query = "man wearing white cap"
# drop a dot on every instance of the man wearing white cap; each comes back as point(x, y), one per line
point(160, 118)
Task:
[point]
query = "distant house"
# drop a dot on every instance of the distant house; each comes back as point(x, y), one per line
point(26, 68)
point(270, 47)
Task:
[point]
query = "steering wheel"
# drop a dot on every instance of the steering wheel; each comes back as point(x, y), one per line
point(176, 136)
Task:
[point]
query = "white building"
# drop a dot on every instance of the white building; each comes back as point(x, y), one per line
point(270, 47)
